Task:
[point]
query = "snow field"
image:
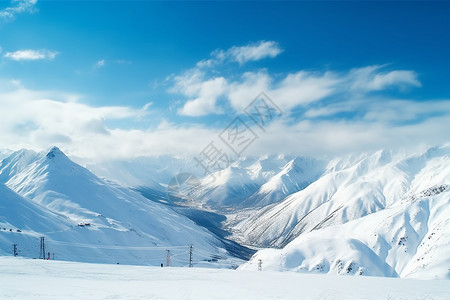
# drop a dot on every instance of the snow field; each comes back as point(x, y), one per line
point(37, 279)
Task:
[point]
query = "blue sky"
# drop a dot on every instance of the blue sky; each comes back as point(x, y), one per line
point(151, 78)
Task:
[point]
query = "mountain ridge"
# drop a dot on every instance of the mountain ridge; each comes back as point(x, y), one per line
point(116, 215)
point(382, 213)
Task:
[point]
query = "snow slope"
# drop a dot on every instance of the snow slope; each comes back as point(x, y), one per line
point(17, 212)
point(56, 195)
point(347, 191)
point(382, 214)
point(409, 240)
point(38, 279)
point(295, 176)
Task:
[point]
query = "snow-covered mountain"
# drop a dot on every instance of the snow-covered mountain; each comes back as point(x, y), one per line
point(295, 176)
point(265, 180)
point(85, 218)
point(226, 189)
point(17, 212)
point(382, 214)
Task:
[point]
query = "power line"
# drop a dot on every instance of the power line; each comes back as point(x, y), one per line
point(175, 255)
point(137, 248)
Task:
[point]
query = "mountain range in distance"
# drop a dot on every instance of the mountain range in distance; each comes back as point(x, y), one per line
point(384, 213)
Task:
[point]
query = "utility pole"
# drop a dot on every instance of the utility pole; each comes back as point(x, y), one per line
point(168, 258)
point(259, 264)
point(15, 250)
point(191, 250)
point(42, 248)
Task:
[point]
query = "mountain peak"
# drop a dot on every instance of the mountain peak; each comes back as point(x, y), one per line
point(54, 152)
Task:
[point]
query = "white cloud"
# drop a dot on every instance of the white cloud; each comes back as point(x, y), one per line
point(32, 119)
point(147, 106)
point(303, 87)
point(381, 109)
point(203, 91)
point(294, 89)
point(17, 7)
point(401, 111)
point(372, 79)
point(205, 103)
point(242, 54)
point(341, 113)
point(29, 54)
point(192, 84)
point(100, 63)
point(40, 119)
point(339, 137)
point(394, 78)
point(188, 83)
point(241, 93)
point(253, 52)
point(289, 90)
